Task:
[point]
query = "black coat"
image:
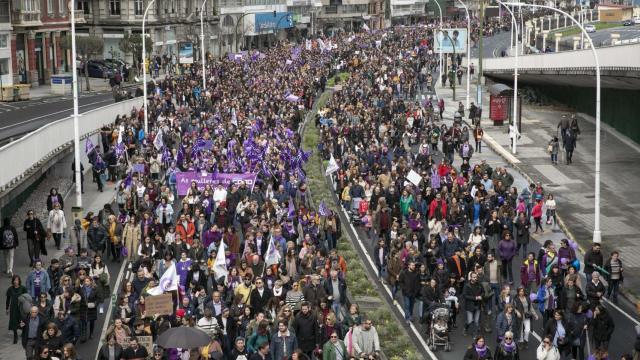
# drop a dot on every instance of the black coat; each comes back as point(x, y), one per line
point(88, 304)
point(409, 282)
point(602, 326)
point(258, 303)
point(42, 326)
point(470, 292)
point(307, 331)
point(103, 354)
point(342, 286)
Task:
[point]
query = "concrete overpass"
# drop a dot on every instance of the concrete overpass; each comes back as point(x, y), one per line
point(619, 65)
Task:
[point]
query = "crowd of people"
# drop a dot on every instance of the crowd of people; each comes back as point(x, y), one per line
point(447, 229)
point(254, 264)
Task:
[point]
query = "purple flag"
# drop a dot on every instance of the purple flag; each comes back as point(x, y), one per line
point(128, 180)
point(292, 209)
point(88, 146)
point(323, 210)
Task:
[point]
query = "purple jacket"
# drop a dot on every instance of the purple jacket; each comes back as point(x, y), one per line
point(565, 253)
point(507, 249)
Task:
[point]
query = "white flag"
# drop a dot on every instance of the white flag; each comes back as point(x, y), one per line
point(157, 142)
point(333, 166)
point(220, 267)
point(169, 280)
point(273, 255)
point(365, 27)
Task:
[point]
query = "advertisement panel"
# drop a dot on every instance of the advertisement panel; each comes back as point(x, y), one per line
point(269, 22)
point(185, 52)
point(449, 39)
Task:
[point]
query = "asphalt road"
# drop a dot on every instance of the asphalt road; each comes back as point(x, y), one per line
point(603, 37)
point(19, 118)
point(624, 315)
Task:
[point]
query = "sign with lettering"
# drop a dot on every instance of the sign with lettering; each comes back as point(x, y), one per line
point(498, 108)
point(159, 304)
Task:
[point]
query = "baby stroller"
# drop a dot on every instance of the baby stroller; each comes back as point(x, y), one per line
point(439, 329)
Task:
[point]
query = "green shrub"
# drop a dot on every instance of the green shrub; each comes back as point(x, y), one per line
point(394, 341)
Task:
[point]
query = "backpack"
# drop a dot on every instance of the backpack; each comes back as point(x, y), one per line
point(8, 241)
point(25, 302)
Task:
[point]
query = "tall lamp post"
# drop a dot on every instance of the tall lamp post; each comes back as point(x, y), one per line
point(597, 233)
point(515, 129)
point(466, 9)
point(76, 125)
point(440, 50)
point(144, 67)
point(204, 60)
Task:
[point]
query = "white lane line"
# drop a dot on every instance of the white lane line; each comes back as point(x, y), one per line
point(535, 335)
point(49, 114)
point(9, 106)
point(622, 311)
point(107, 316)
point(387, 289)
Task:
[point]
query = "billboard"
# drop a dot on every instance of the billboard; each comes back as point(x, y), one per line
point(449, 40)
point(272, 20)
point(185, 52)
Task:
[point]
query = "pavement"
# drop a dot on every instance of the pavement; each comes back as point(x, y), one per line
point(572, 186)
point(92, 201)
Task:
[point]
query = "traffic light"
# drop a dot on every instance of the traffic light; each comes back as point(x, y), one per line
point(274, 13)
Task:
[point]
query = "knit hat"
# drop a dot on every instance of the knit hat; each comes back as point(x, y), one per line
point(439, 262)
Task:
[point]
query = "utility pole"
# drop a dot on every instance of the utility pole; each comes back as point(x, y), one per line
point(481, 28)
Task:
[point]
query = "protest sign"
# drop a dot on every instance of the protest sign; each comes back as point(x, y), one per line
point(184, 179)
point(160, 304)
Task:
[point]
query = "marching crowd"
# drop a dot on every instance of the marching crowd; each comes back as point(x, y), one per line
point(446, 229)
point(254, 264)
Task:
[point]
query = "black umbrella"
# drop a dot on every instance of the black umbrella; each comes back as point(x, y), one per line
point(183, 337)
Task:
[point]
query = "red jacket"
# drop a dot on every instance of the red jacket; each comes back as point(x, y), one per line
point(536, 212)
point(434, 205)
point(186, 234)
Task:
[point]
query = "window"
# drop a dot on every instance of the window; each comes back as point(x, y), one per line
point(138, 7)
point(4, 66)
point(62, 7)
point(4, 41)
point(50, 6)
point(84, 6)
point(114, 7)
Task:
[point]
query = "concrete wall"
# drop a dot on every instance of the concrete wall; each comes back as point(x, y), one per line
point(614, 56)
point(28, 154)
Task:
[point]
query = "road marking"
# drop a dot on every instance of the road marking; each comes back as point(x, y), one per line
point(622, 311)
point(107, 316)
point(54, 113)
point(9, 106)
point(535, 335)
point(387, 289)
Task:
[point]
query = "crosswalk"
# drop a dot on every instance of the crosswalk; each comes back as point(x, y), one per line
point(6, 107)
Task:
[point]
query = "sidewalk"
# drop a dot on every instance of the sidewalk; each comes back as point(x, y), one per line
point(573, 185)
point(92, 201)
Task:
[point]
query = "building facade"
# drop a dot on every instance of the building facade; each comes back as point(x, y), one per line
point(168, 22)
point(6, 71)
point(38, 27)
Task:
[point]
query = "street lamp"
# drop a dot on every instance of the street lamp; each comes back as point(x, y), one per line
point(76, 125)
point(144, 67)
point(440, 50)
point(204, 61)
point(597, 233)
point(466, 9)
point(515, 129)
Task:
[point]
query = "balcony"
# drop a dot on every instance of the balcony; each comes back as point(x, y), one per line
point(79, 14)
point(26, 18)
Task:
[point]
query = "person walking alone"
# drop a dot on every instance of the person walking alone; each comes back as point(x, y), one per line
point(552, 149)
point(8, 243)
point(35, 236)
point(56, 224)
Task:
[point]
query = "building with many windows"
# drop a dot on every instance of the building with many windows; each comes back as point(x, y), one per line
point(38, 27)
point(5, 44)
point(168, 23)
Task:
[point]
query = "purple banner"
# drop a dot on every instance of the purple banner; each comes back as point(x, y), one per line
point(138, 168)
point(184, 179)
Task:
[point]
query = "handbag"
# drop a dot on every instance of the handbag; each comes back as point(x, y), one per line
point(549, 148)
point(91, 305)
point(124, 252)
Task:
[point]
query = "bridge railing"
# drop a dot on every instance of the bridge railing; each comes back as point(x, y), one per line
point(27, 153)
point(614, 57)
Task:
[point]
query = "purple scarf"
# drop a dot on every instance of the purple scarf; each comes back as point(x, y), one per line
point(481, 351)
point(509, 347)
